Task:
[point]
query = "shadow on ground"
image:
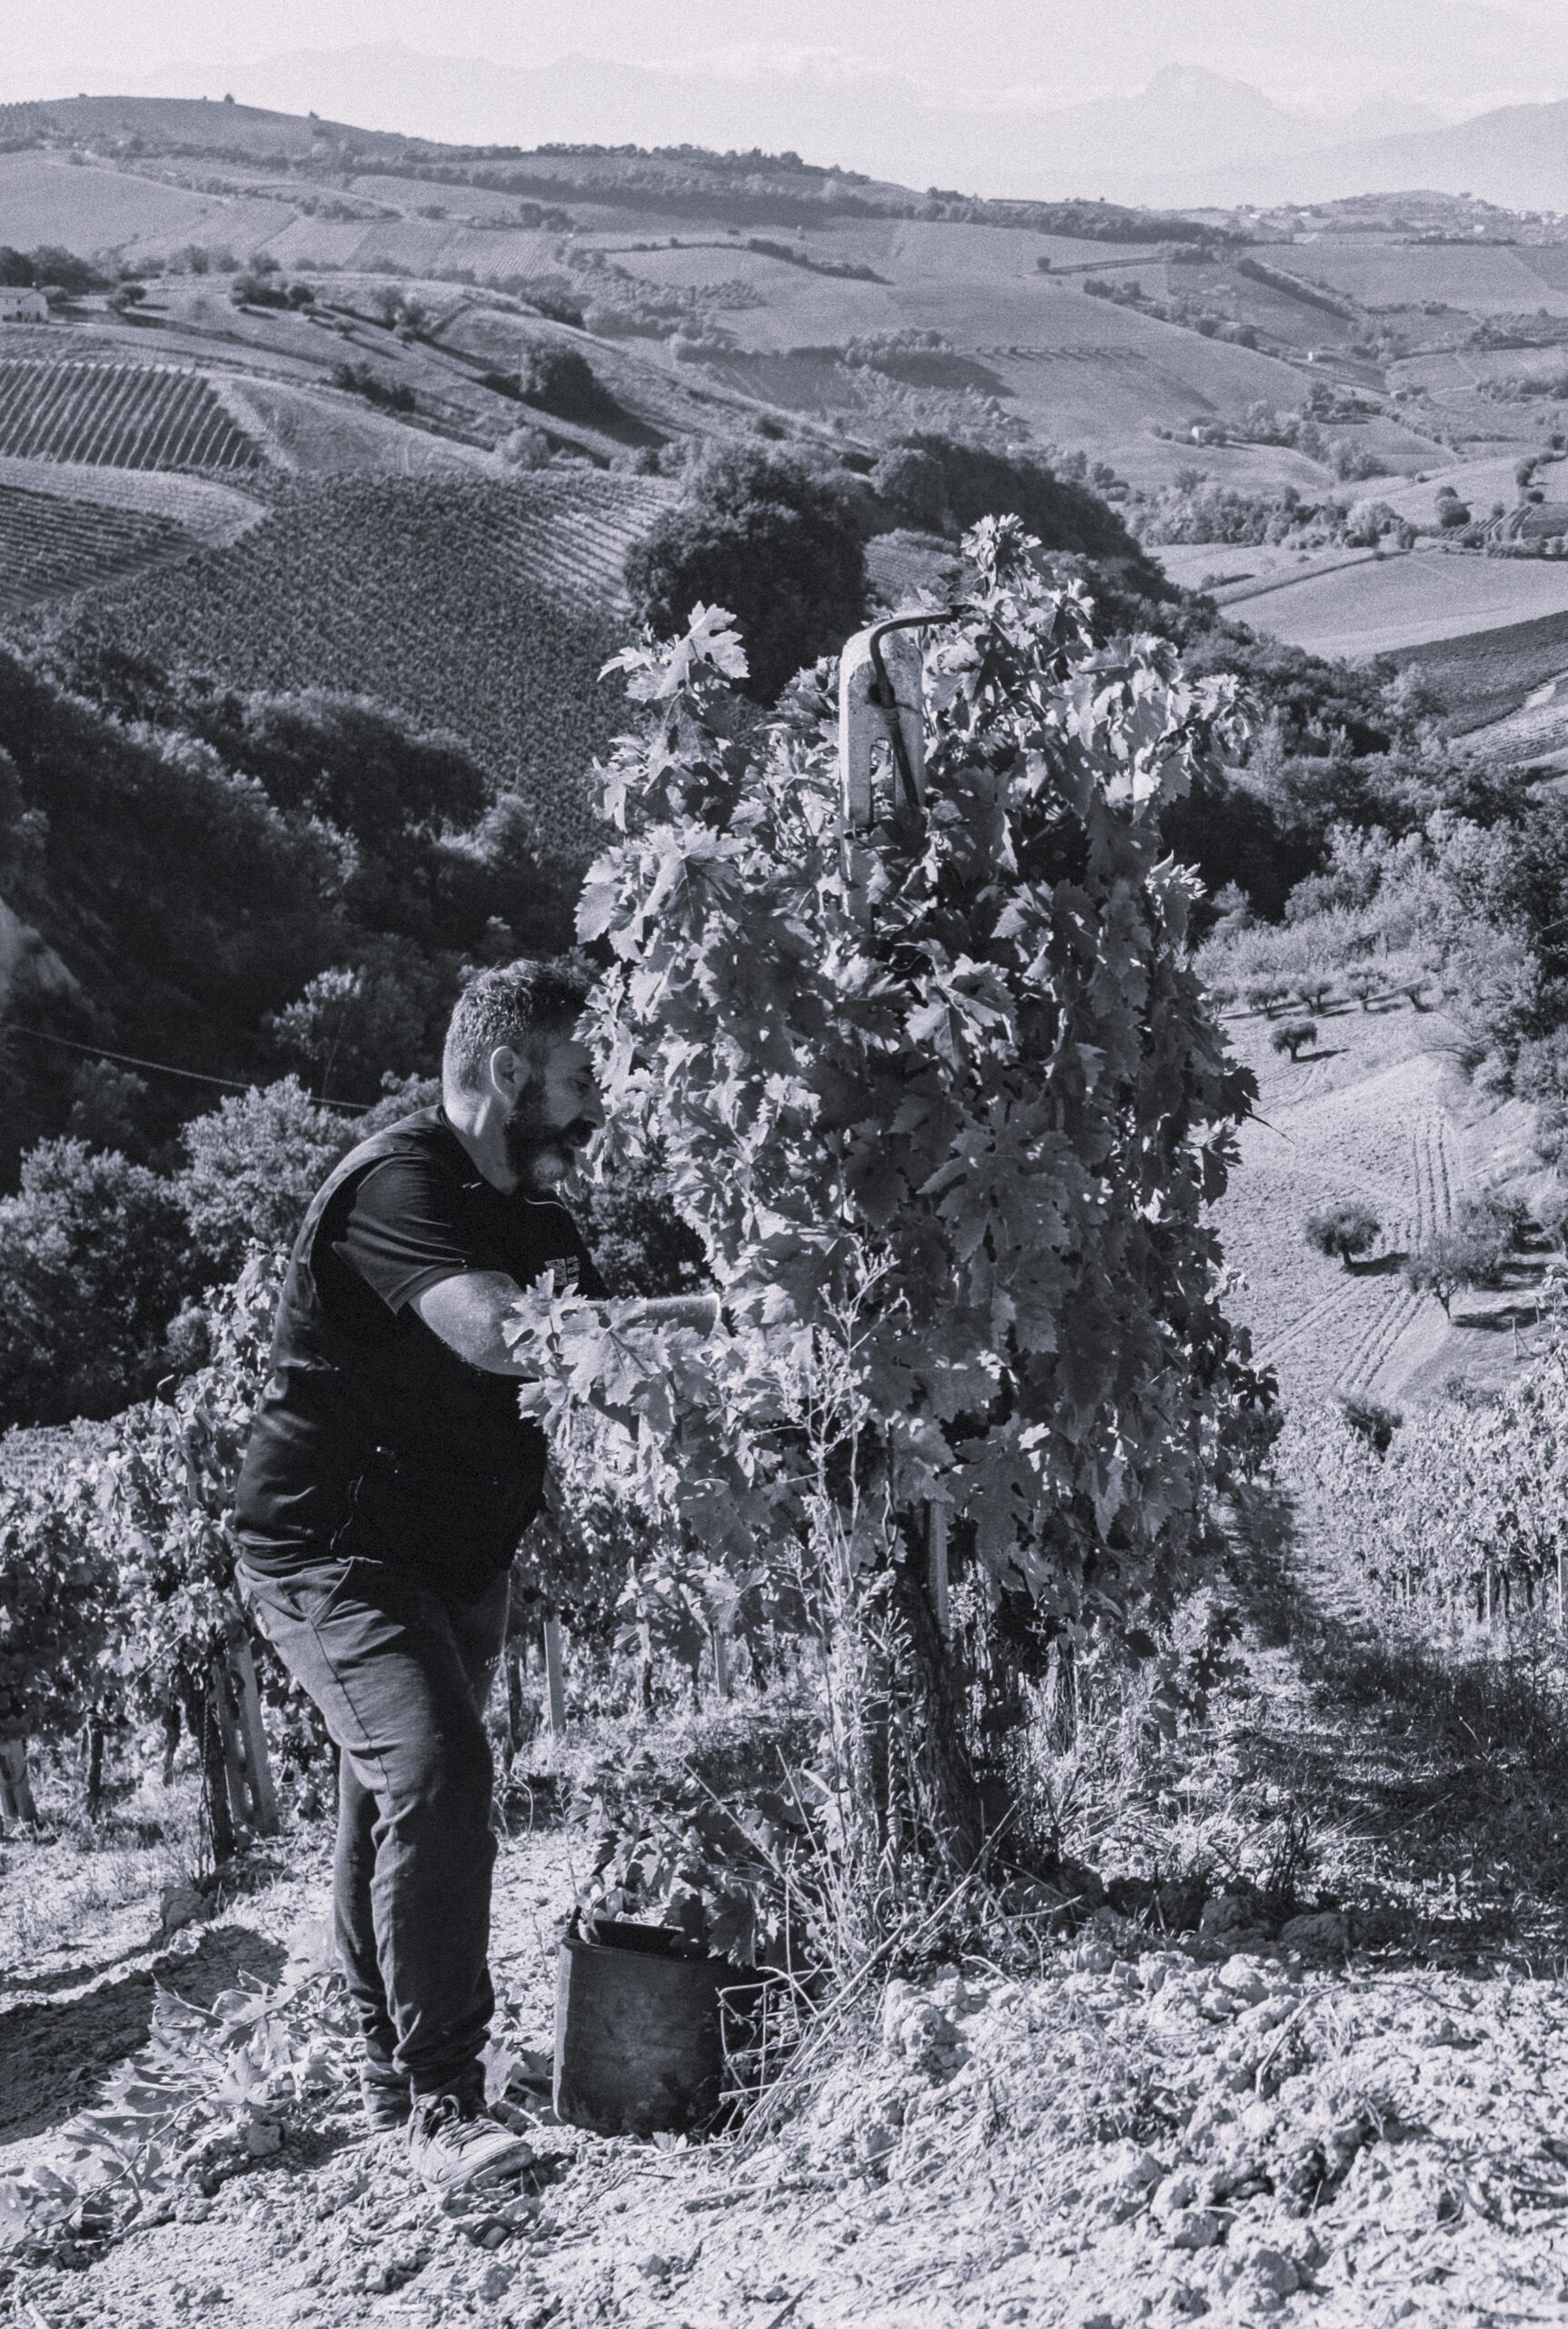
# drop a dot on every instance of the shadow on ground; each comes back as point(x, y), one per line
point(1446, 1766)
point(55, 2053)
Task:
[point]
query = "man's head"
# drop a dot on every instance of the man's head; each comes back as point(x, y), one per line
point(513, 1075)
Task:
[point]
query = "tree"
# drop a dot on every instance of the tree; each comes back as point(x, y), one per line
point(1313, 990)
point(93, 1260)
point(1267, 996)
point(778, 547)
point(352, 765)
point(1007, 1308)
point(252, 1167)
point(913, 489)
point(383, 1015)
point(106, 1108)
point(1363, 984)
point(1346, 1230)
point(1451, 1259)
point(978, 482)
point(561, 380)
point(1292, 1037)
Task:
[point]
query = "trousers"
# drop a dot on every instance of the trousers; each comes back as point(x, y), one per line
point(400, 1672)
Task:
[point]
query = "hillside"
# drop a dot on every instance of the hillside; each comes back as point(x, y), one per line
point(478, 607)
point(1379, 1111)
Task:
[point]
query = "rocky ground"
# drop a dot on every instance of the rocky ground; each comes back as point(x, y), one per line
point(1350, 2108)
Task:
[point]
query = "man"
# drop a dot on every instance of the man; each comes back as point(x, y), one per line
point(388, 1476)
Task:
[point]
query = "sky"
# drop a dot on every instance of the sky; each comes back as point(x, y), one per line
point(1459, 56)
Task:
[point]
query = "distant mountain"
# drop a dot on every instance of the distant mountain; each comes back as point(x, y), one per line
point(1517, 156)
point(826, 107)
point(1185, 114)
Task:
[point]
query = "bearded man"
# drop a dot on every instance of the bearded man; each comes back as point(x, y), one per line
point(388, 1476)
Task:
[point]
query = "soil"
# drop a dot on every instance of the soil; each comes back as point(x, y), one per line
point(1348, 2108)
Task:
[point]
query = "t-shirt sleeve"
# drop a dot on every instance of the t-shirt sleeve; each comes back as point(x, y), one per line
point(404, 1231)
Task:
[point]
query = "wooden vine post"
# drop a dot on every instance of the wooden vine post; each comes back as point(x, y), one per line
point(223, 1712)
point(16, 1804)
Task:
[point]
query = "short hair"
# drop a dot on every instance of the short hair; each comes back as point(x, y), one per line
point(512, 1005)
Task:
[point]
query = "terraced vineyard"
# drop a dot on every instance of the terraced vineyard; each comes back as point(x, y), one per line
point(121, 416)
point(482, 606)
point(50, 546)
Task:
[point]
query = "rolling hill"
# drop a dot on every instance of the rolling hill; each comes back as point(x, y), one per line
point(717, 296)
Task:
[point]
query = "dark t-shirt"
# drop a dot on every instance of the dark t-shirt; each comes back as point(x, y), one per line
point(372, 1438)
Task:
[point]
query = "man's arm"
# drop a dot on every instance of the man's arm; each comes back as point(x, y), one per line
point(467, 1313)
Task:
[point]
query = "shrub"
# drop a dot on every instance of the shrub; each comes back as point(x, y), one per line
point(252, 1168)
point(362, 381)
point(94, 1260)
point(778, 547)
point(1551, 1213)
point(1294, 1037)
point(1371, 1420)
point(525, 449)
point(1345, 1230)
point(1492, 1217)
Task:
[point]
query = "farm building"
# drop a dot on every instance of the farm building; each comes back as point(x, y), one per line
point(23, 306)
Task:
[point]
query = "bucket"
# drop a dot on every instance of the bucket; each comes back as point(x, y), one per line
point(640, 2042)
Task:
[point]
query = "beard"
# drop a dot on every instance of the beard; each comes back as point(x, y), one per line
point(542, 1154)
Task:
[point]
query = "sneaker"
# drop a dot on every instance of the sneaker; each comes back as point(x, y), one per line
point(453, 2142)
point(388, 2103)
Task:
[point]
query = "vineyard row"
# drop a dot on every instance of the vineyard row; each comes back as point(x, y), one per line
point(50, 546)
point(126, 416)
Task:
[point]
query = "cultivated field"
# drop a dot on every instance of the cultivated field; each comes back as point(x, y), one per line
point(204, 510)
point(118, 416)
point(50, 546)
point(486, 608)
point(1411, 600)
point(1233, 571)
point(1493, 280)
point(1378, 1111)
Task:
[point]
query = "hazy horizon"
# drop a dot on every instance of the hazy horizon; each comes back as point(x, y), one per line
point(1196, 101)
point(1305, 55)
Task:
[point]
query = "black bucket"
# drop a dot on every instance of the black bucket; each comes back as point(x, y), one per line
point(639, 2036)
